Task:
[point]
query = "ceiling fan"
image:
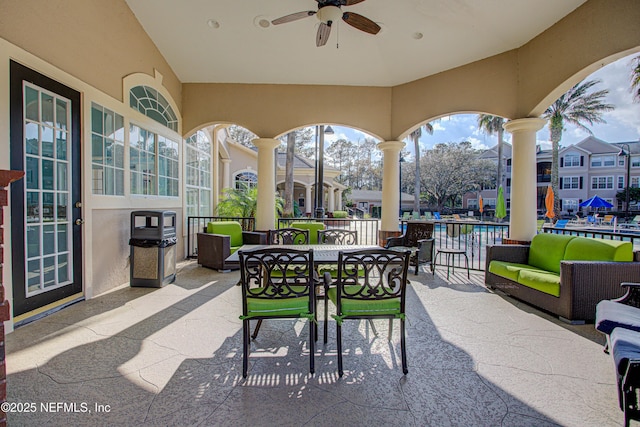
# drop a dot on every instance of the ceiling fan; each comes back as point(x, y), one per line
point(329, 12)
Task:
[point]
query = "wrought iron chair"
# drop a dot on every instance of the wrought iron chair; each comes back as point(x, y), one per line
point(266, 295)
point(415, 239)
point(288, 236)
point(338, 237)
point(378, 293)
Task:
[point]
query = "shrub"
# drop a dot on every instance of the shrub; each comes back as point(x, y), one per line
point(339, 214)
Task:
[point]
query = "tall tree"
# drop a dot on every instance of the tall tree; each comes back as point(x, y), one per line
point(577, 106)
point(493, 125)
point(288, 176)
point(415, 137)
point(241, 135)
point(635, 78)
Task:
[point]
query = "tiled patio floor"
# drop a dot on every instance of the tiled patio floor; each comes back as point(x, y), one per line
point(173, 356)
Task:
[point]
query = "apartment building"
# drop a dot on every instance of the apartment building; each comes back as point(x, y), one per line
point(588, 168)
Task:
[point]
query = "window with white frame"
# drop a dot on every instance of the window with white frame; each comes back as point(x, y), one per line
point(246, 180)
point(635, 181)
point(107, 151)
point(198, 174)
point(472, 203)
point(153, 163)
point(152, 104)
point(489, 202)
point(601, 182)
point(571, 160)
point(635, 162)
point(570, 182)
point(570, 204)
point(620, 182)
point(603, 161)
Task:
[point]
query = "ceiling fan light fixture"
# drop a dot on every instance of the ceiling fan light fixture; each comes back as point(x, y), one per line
point(329, 14)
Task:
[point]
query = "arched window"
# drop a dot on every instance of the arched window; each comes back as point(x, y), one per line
point(246, 180)
point(198, 173)
point(152, 104)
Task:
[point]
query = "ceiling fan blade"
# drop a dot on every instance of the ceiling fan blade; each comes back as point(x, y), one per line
point(361, 23)
point(323, 34)
point(293, 17)
point(352, 2)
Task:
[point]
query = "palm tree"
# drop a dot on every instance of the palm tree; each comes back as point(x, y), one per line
point(491, 125)
point(635, 79)
point(577, 106)
point(415, 137)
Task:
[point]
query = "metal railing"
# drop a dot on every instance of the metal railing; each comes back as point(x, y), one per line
point(196, 224)
point(470, 236)
point(367, 228)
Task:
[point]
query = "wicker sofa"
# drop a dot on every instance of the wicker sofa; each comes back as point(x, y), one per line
point(562, 274)
point(220, 239)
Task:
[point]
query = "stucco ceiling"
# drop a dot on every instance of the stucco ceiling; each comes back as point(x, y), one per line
point(222, 41)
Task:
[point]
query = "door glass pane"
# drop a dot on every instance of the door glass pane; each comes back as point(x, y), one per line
point(63, 206)
point(47, 207)
point(33, 173)
point(47, 141)
point(33, 276)
point(32, 104)
point(108, 152)
point(61, 114)
point(61, 145)
point(49, 267)
point(33, 206)
point(63, 237)
point(108, 181)
point(31, 138)
point(33, 241)
point(61, 178)
point(119, 182)
point(63, 268)
point(96, 148)
point(47, 175)
point(48, 240)
point(47, 109)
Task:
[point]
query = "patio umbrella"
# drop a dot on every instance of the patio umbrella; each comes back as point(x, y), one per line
point(596, 202)
point(501, 210)
point(480, 205)
point(548, 203)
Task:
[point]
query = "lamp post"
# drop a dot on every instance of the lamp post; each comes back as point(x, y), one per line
point(321, 131)
point(628, 178)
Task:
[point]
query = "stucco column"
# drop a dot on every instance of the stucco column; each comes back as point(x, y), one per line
point(308, 205)
point(332, 199)
point(339, 201)
point(265, 211)
point(225, 173)
point(522, 225)
point(390, 184)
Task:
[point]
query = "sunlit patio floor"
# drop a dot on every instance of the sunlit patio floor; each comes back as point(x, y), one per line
point(173, 356)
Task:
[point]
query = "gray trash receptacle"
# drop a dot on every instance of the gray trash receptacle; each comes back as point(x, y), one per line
point(153, 248)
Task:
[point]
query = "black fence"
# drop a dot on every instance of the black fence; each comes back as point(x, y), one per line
point(367, 228)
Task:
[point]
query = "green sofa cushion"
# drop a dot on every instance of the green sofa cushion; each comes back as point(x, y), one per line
point(232, 229)
point(547, 250)
point(510, 270)
point(362, 307)
point(542, 281)
point(588, 249)
point(313, 228)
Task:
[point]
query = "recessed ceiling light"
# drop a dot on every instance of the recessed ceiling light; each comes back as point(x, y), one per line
point(212, 23)
point(261, 22)
point(417, 35)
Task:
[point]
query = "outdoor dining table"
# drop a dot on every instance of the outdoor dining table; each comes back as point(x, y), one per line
point(322, 254)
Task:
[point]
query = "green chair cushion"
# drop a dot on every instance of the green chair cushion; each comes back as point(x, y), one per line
point(363, 307)
point(277, 307)
point(588, 249)
point(547, 250)
point(313, 228)
point(510, 270)
point(232, 229)
point(546, 282)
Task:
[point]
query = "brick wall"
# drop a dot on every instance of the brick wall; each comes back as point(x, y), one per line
point(6, 178)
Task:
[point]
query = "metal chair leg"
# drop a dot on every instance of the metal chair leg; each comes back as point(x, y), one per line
point(255, 331)
point(245, 347)
point(339, 338)
point(390, 328)
point(403, 347)
point(373, 328)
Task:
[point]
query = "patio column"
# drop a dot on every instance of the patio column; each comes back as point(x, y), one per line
point(225, 173)
point(339, 201)
point(390, 184)
point(265, 211)
point(332, 199)
point(308, 205)
point(522, 225)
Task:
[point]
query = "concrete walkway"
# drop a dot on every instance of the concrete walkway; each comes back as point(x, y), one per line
point(173, 356)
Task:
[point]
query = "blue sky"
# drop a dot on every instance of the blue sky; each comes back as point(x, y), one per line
point(623, 123)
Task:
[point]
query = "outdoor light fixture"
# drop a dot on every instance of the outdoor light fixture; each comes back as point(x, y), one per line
point(628, 183)
point(321, 131)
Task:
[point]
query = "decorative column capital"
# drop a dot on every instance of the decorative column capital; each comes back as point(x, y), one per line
point(391, 145)
point(265, 143)
point(529, 124)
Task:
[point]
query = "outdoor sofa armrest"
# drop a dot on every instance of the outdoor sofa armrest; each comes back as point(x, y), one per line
point(632, 295)
point(589, 282)
point(213, 249)
point(254, 238)
point(518, 254)
point(394, 241)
